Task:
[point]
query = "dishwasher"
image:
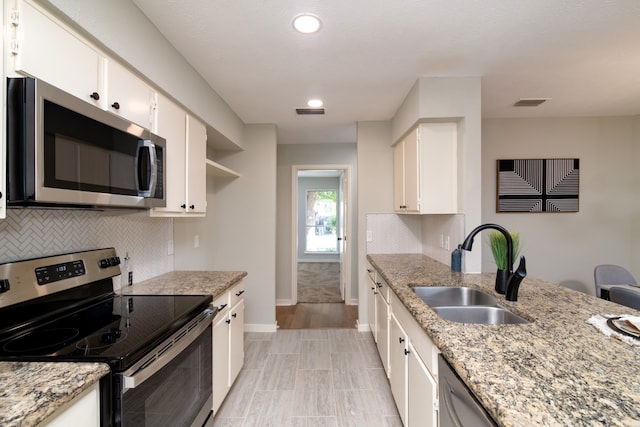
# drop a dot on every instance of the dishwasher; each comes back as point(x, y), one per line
point(458, 406)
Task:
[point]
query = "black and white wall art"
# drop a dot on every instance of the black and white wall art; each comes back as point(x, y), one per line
point(538, 185)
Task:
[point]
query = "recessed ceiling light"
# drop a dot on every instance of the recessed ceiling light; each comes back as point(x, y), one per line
point(306, 23)
point(315, 103)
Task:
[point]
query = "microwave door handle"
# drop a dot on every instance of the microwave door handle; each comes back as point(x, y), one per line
point(146, 186)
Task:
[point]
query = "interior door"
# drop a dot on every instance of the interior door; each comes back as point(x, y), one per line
point(341, 231)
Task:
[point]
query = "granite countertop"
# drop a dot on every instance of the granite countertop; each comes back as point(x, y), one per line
point(555, 371)
point(32, 391)
point(188, 283)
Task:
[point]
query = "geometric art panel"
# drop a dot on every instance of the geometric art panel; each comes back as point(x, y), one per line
point(538, 185)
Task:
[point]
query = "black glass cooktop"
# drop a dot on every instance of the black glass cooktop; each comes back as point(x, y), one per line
point(118, 330)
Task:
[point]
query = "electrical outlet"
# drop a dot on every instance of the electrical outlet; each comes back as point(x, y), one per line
point(130, 279)
point(196, 241)
point(369, 236)
point(447, 244)
point(442, 241)
point(170, 247)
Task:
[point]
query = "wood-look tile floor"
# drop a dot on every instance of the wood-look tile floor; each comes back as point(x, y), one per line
point(308, 378)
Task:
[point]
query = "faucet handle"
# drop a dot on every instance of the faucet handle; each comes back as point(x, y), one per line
point(514, 281)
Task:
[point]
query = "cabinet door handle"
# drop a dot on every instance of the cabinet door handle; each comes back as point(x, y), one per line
point(183, 206)
point(116, 105)
point(369, 270)
point(221, 307)
point(406, 352)
point(401, 340)
point(192, 207)
point(240, 293)
point(95, 96)
point(379, 284)
point(228, 321)
point(234, 315)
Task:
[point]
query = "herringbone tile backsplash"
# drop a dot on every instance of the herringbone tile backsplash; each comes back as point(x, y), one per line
point(31, 233)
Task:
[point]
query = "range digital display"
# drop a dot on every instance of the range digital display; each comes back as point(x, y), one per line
point(53, 273)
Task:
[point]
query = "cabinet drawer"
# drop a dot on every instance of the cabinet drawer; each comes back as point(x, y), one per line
point(426, 349)
point(371, 272)
point(222, 302)
point(236, 293)
point(383, 289)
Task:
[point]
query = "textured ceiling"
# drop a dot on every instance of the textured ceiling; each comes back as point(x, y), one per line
point(584, 54)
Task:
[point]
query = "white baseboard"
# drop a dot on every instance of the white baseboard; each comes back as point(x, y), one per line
point(284, 302)
point(260, 327)
point(362, 328)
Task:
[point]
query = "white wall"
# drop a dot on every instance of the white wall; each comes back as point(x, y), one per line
point(239, 231)
point(565, 247)
point(122, 28)
point(309, 154)
point(375, 192)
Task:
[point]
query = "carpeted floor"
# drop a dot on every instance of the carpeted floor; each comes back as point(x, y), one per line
point(319, 282)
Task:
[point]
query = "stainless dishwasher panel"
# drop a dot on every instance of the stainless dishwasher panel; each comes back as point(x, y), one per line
point(458, 406)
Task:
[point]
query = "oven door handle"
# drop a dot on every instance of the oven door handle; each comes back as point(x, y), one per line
point(167, 351)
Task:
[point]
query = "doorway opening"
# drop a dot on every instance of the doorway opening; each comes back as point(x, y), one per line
point(320, 265)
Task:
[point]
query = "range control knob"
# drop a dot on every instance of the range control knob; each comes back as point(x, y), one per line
point(4, 285)
point(104, 263)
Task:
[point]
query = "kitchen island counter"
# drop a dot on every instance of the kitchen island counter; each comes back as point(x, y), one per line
point(556, 370)
point(30, 392)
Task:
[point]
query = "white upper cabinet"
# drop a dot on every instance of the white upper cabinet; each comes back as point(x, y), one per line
point(185, 173)
point(128, 96)
point(171, 124)
point(196, 185)
point(426, 170)
point(42, 48)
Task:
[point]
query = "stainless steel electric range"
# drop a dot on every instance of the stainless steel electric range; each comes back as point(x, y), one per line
point(63, 308)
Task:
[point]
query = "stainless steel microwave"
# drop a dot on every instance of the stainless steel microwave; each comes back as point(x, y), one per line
point(62, 151)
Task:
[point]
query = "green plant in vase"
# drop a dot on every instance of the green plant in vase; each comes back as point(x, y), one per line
point(498, 244)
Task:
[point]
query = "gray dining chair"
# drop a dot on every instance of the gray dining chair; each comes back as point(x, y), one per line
point(609, 274)
point(625, 296)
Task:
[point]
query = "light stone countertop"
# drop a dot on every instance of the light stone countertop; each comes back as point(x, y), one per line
point(32, 391)
point(555, 371)
point(187, 283)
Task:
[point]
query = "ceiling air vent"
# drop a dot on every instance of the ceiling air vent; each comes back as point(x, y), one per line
point(308, 111)
point(530, 102)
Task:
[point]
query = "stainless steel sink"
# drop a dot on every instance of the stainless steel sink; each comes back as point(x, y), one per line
point(438, 296)
point(479, 314)
point(466, 305)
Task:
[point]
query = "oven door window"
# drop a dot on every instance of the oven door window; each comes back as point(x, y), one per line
point(177, 394)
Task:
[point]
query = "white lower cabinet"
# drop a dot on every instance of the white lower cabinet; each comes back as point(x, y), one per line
point(422, 393)
point(228, 342)
point(413, 368)
point(382, 328)
point(372, 295)
point(84, 410)
point(398, 348)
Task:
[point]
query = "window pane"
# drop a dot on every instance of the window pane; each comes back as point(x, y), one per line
point(320, 220)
